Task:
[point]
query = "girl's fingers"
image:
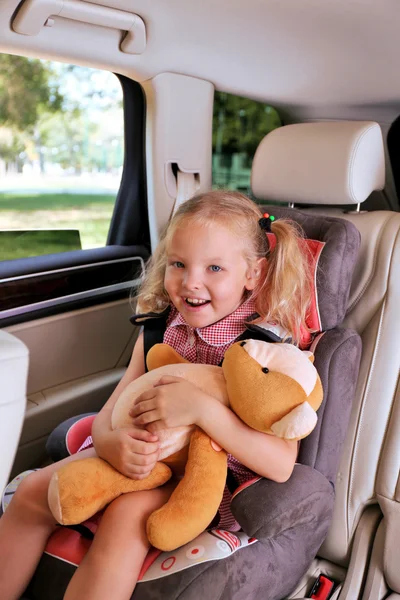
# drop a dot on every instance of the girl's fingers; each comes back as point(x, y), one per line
point(143, 435)
point(141, 407)
point(146, 448)
point(147, 395)
point(146, 418)
point(167, 379)
point(144, 460)
point(133, 474)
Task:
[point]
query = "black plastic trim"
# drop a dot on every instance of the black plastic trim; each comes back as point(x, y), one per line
point(393, 146)
point(68, 306)
point(54, 276)
point(64, 260)
point(129, 223)
point(50, 286)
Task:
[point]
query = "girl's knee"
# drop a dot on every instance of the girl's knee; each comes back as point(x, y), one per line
point(29, 488)
point(31, 495)
point(141, 504)
point(132, 502)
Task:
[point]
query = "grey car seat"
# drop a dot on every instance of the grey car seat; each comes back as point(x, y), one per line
point(310, 164)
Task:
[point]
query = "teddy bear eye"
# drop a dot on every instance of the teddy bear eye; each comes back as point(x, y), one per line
point(265, 370)
point(243, 344)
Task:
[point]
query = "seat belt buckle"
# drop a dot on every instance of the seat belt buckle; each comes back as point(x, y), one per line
point(322, 588)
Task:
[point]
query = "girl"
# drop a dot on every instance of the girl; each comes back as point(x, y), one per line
point(213, 271)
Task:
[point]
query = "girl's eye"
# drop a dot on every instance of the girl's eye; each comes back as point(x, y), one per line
point(215, 268)
point(178, 264)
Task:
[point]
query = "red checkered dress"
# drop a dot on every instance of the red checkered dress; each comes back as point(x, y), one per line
point(208, 346)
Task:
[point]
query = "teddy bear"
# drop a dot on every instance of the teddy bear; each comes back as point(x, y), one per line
point(273, 387)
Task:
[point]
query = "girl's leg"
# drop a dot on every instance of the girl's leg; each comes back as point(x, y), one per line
point(111, 567)
point(25, 528)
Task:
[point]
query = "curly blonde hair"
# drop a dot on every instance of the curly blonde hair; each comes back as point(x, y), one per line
point(283, 292)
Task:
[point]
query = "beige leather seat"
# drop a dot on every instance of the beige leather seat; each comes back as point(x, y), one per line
point(384, 571)
point(347, 161)
point(13, 377)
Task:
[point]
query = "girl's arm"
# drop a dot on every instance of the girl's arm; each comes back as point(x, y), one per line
point(132, 451)
point(102, 422)
point(266, 455)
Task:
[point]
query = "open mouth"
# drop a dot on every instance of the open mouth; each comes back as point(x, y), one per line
point(196, 302)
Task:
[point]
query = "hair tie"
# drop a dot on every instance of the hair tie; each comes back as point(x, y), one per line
point(265, 224)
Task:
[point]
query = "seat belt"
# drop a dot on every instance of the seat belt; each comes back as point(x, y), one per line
point(186, 186)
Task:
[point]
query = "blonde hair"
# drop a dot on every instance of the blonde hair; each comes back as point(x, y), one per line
point(282, 294)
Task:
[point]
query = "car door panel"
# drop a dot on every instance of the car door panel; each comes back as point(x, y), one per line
point(76, 360)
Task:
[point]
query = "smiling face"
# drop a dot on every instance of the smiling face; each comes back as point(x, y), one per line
point(207, 273)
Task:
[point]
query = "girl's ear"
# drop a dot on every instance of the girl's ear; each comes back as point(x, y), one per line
point(254, 273)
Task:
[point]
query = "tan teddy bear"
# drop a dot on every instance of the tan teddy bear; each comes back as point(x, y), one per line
point(273, 387)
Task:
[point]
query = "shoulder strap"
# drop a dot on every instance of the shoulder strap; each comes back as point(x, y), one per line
point(255, 332)
point(153, 333)
point(252, 332)
point(154, 326)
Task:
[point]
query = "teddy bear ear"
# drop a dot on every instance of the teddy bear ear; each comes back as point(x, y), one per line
point(309, 355)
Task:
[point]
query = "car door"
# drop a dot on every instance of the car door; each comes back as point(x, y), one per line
point(71, 308)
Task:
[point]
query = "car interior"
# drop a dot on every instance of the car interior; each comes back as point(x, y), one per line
point(330, 71)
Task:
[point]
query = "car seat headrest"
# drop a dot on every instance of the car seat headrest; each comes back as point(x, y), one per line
point(320, 163)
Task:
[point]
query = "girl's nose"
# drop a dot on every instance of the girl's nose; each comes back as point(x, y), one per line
point(191, 281)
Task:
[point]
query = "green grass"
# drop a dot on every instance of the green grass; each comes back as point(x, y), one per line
point(89, 214)
point(20, 244)
point(48, 201)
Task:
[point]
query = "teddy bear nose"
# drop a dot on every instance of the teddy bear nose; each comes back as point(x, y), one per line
point(265, 370)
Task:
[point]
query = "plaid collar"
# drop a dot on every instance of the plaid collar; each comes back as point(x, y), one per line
point(222, 332)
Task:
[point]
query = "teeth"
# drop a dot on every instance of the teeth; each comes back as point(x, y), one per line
point(195, 301)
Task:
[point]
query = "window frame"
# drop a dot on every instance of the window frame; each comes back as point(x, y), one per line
point(128, 237)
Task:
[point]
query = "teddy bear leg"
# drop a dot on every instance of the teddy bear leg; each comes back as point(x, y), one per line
point(195, 501)
point(79, 489)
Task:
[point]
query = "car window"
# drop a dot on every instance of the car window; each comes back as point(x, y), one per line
point(239, 124)
point(61, 156)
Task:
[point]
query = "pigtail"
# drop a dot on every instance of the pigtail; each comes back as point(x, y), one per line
point(284, 291)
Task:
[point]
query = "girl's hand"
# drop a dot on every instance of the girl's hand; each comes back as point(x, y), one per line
point(132, 451)
point(172, 402)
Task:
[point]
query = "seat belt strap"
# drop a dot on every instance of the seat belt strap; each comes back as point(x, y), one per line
point(186, 187)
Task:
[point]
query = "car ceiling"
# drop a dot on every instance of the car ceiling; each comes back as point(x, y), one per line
point(312, 58)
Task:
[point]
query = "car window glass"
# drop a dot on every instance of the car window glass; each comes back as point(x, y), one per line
point(61, 156)
point(239, 124)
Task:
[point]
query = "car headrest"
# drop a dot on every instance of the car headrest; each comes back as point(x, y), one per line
point(320, 163)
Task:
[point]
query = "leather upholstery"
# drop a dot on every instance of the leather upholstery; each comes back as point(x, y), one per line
point(370, 458)
point(320, 163)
